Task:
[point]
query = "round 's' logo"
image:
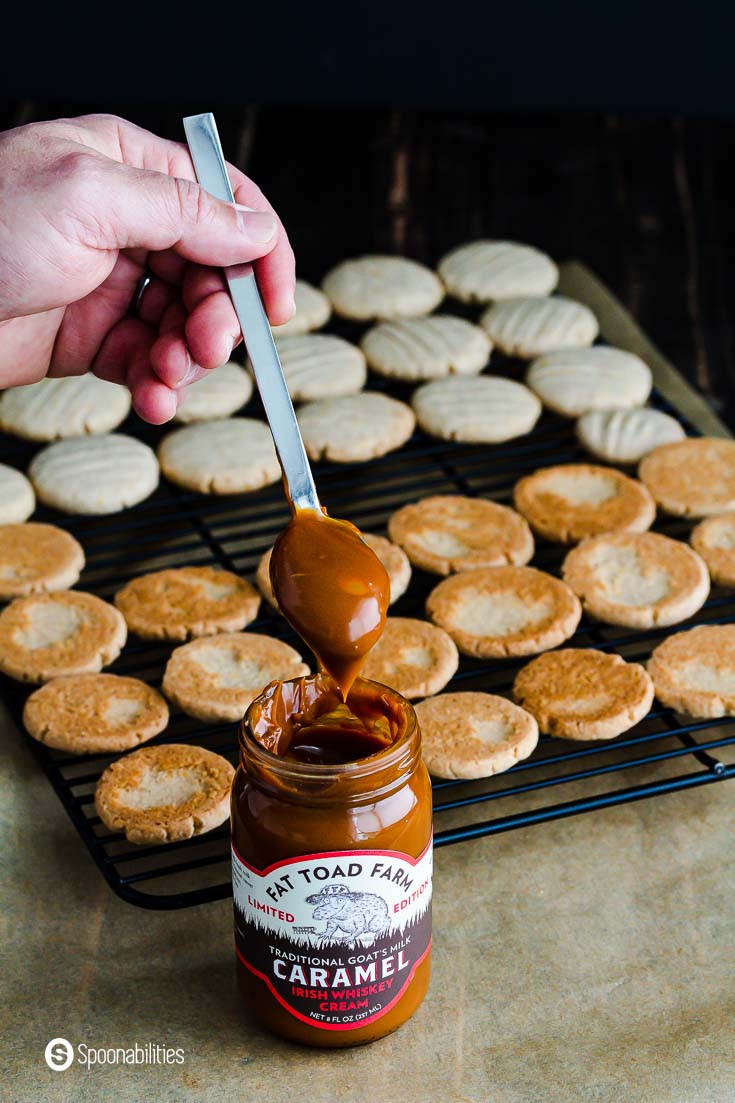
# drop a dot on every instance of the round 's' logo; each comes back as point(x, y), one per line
point(59, 1054)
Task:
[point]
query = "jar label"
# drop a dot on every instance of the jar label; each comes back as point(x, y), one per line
point(336, 937)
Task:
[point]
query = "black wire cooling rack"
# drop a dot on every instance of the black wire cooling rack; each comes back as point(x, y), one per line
point(662, 754)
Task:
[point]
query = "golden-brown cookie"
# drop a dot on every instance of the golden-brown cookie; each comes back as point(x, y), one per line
point(714, 540)
point(694, 671)
point(498, 612)
point(468, 735)
point(449, 532)
point(165, 793)
point(571, 501)
point(412, 657)
point(583, 694)
point(182, 602)
point(45, 636)
point(37, 559)
point(94, 713)
point(638, 579)
point(693, 477)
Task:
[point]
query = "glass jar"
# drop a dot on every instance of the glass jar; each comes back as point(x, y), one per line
point(332, 875)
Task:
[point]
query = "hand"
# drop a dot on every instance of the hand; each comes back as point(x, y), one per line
point(86, 206)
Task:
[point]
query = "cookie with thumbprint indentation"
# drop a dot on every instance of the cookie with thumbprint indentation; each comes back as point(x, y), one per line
point(582, 694)
point(714, 540)
point(95, 475)
point(637, 579)
point(534, 326)
point(382, 287)
point(626, 436)
point(412, 657)
point(48, 635)
point(218, 394)
point(37, 559)
point(469, 735)
point(94, 713)
point(70, 407)
point(225, 456)
point(180, 602)
point(484, 409)
point(572, 381)
point(426, 348)
point(693, 477)
point(485, 271)
point(499, 612)
point(319, 365)
point(694, 671)
point(449, 532)
point(571, 501)
point(217, 678)
point(354, 427)
point(312, 311)
point(17, 500)
point(165, 793)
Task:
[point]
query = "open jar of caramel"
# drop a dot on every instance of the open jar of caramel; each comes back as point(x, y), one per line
point(332, 862)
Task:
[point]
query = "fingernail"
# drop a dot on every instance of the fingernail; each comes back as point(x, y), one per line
point(292, 308)
point(259, 226)
point(173, 404)
point(189, 375)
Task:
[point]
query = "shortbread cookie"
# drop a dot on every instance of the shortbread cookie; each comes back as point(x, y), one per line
point(426, 348)
point(626, 436)
point(69, 407)
point(468, 735)
point(485, 271)
point(17, 500)
point(312, 311)
point(48, 635)
point(218, 394)
point(165, 793)
point(692, 478)
point(94, 713)
point(449, 532)
point(182, 602)
point(227, 456)
point(354, 427)
point(638, 579)
point(534, 326)
point(37, 559)
point(694, 671)
point(499, 612)
point(319, 365)
point(714, 540)
point(573, 381)
point(217, 678)
point(583, 694)
point(412, 657)
point(485, 409)
point(382, 287)
point(100, 474)
point(574, 500)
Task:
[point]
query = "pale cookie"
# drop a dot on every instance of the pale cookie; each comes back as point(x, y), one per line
point(69, 407)
point(532, 327)
point(485, 271)
point(355, 427)
point(573, 381)
point(382, 287)
point(693, 477)
point(94, 713)
point(48, 635)
point(37, 559)
point(426, 348)
point(319, 365)
point(694, 671)
point(637, 579)
point(101, 474)
point(626, 436)
point(17, 500)
point(165, 793)
point(218, 394)
point(412, 657)
point(182, 602)
point(468, 735)
point(227, 456)
point(714, 540)
point(312, 311)
point(501, 612)
point(393, 558)
point(449, 532)
point(574, 500)
point(217, 678)
point(485, 409)
point(583, 694)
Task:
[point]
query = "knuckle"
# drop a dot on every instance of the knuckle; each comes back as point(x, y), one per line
point(194, 205)
point(78, 167)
